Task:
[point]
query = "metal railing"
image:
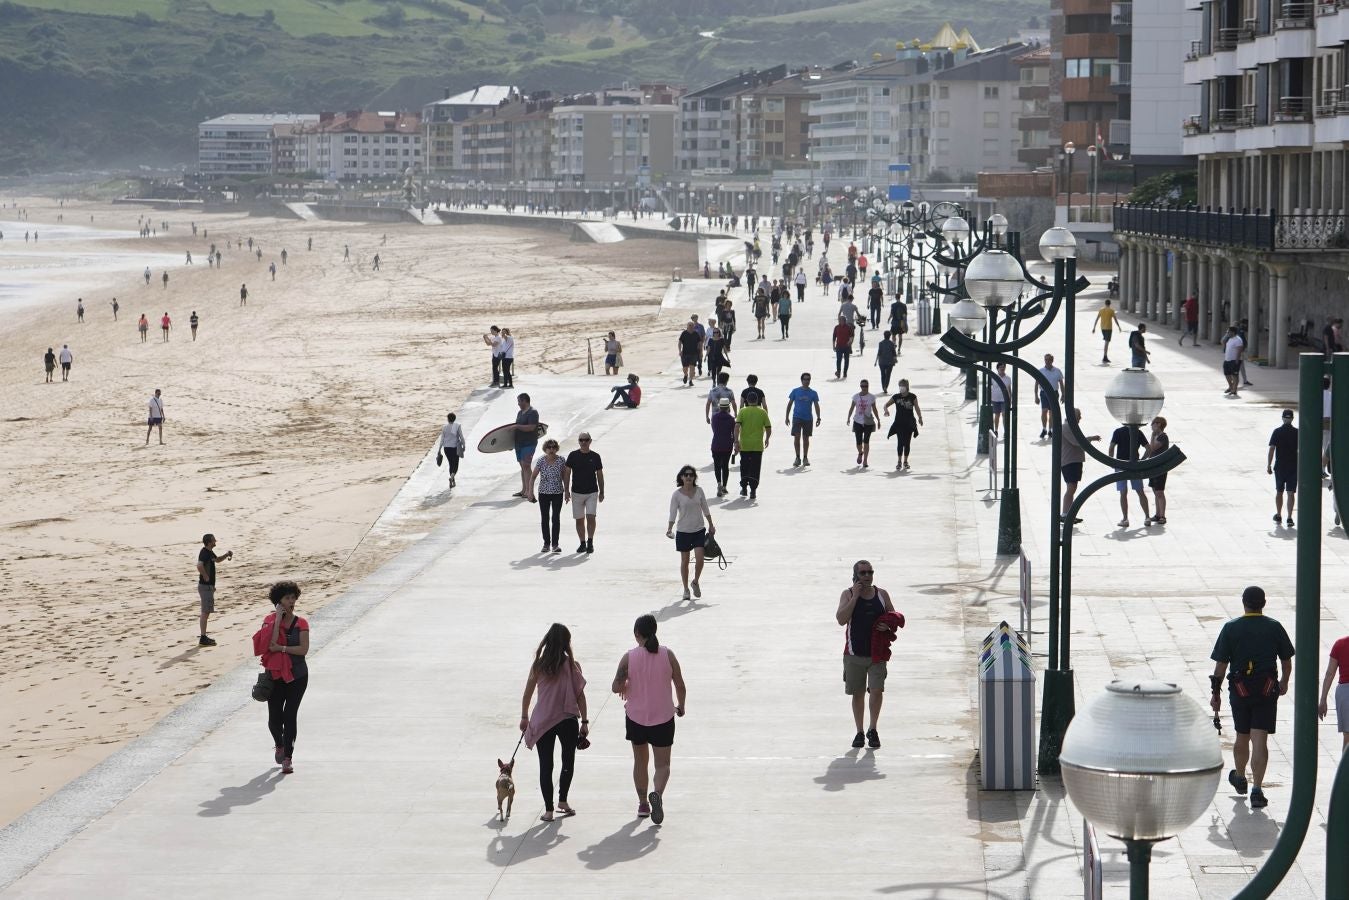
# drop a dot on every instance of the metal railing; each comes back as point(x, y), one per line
point(1122, 13)
point(1294, 109)
point(1296, 15)
point(1329, 104)
point(1227, 39)
point(1121, 74)
point(1258, 230)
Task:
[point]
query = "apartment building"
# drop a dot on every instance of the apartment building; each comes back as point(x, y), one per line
point(711, 125)
point(976, 106)
point(243, 143)
point(1033, 118)
point(775, 122)
point(1090, 73)
point(1267, 240)
point(440, 116)
point(597, 143)
point(360, 144)
point(511, 141)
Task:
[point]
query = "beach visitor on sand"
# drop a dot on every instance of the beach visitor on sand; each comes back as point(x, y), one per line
point(66, 359)
point(49, 363)
point(206, 560)
point(156, 417)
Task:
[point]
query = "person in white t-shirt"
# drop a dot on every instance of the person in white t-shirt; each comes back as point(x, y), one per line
point(66, 359)
point(452, 445)
point(999, 390)
point(1233, 350)
point(864, 417)
point(156, 419)
point(493, 339)
point(1050, 398)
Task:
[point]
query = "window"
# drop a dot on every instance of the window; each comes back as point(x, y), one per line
point(990, 92)
point(991, 120)
point(943, 146)
point(943, 119)
point(991, 147)
point(774, 105)
point(943, 92)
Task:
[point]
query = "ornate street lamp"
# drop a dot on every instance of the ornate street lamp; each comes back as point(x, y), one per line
point(960, 350)
point(1068, 150)
point(1141, 763)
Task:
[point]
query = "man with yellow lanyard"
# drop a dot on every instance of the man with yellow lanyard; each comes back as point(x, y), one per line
point(1105, 317)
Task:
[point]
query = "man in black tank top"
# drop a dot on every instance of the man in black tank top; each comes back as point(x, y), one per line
point(858, 609)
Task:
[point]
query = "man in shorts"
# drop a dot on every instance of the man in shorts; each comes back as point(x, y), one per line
point(583, 478)
point(1339, 663)
point(1281, 462)
point(690, 349)
point(799, 404)
point(1071, 458)
point(1191, 310)
point(526, 442)
point(859, 608)
point(1245, 653)
point(1128, 443)
point(156, 419)
point(206, 560)
point(1049, 399)
point(999, 390)
point(720, 391)
point(1105, 317)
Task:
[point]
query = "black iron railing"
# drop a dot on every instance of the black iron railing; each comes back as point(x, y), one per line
point(1257, 230)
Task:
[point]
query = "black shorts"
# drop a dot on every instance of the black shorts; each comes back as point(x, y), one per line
point(689, 360)
point(1285, 481)
point(1231, 366)
point(690, 540)
point(1158, 483)
point(1072, 473)
point(862, 431)
point(1253, 712)
point(656, 735)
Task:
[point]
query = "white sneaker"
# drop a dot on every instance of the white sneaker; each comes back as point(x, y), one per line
point(1123, 523)
point(686, 594)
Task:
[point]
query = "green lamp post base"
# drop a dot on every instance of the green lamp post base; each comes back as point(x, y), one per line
point(1056, 712)
point(1009, 522)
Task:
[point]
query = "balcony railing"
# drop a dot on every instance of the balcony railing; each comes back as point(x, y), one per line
point(1122, 13)
point(1248, 29)
point(1227, 39)
point(1329, 103)
point(1121, 74)
point(1257, 230)
point(1294, 109)
point(1196, 50)
point(1295, 15)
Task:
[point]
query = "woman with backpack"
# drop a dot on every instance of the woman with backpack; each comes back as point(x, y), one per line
point(557, 677)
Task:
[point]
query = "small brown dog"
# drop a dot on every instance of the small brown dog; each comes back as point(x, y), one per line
point(505, 788)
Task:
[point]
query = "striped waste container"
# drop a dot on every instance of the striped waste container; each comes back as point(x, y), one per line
point(1006, 712)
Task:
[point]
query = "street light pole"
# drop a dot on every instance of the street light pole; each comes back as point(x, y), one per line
point(1069, 149)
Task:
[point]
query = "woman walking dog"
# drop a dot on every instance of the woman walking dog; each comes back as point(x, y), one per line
point(645, 674)
point(562, 700)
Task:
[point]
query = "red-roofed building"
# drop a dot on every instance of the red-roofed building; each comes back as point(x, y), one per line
point(360, 144)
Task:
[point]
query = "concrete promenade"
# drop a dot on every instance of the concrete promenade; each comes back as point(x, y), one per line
point(416, 673)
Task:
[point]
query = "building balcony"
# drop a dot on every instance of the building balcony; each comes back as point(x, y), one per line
point(1086, 90)
point(1122, 17)
point(1332, 23)
point(1119, 133)
point(1295, 15)
point(1121, 76)
point(1086, 7)
point(1255, 230)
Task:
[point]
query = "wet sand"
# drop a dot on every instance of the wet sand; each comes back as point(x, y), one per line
point(291, 423)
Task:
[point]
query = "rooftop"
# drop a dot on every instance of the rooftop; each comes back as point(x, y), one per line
point(262, 119)
point(482, 95)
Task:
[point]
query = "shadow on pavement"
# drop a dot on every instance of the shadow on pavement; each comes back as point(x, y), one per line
point(536, 842)
point(853, 767)
point(627, 844)
point(680, 608)
point(550, 561)
point(244, 795)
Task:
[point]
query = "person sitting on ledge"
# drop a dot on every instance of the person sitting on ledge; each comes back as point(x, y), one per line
point(626, 395)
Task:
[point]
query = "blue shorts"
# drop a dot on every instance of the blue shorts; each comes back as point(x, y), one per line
point(999, 406)
point(1048, 400)
point(1135, 483)
point(525, 452)
point(1285, 482)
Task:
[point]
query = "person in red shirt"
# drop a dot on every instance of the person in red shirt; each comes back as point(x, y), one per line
point(1191, 309)
point(628, 396)
point(843, 335)
point(164, 324)
point(1339, 662)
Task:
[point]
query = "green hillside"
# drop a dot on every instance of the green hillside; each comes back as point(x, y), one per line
point(114, 83)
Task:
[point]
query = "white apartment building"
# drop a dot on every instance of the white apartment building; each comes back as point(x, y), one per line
point(710, 129)
point(359, 144)
point(1159, 101)
point(851, 139)
point(242, 143)
point(976, 110)
point(621, 142)
point(1267, 240)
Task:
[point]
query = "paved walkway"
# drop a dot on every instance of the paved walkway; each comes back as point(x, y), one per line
point(417, 672)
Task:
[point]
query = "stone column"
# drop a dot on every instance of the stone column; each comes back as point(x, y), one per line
point(1191, 283)
point(1172, 314)
point(1216, 292)
point(1252, 307)
point(1202, 292)
point(1278, 334)
point(1158, 306)
point(1125, 277)
point(1149, 285)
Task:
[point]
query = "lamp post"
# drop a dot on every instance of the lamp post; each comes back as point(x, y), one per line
point(1068, 150)
point(1091, 155)
point(1140, 396)
point(1141, 763)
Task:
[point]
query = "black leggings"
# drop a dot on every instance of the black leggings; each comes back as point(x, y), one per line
point(282, 709)
point(451, 455)
point(553, 503)
point(905, 438)
point(566, 732)
point(721, 466)
point(785, 322)
point(885, 377)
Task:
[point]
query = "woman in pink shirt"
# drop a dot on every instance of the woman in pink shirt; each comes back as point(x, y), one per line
point(562, 700)
point(1339, 663)
point(645, 674)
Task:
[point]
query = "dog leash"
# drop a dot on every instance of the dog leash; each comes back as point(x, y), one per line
point(517, 746)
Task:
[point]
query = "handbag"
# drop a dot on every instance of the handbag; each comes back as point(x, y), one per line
point(439, 458)
point(262, 689)
point(712, 550)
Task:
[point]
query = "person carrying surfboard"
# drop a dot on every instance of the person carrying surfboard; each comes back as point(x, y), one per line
point(526, 442)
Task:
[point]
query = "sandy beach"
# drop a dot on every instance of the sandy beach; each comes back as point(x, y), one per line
point(290, 424)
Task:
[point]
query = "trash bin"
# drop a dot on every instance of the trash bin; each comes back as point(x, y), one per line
point(924, 316)
point(1006, 712)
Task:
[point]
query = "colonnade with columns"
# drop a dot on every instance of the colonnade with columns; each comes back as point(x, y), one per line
point(1229, 285)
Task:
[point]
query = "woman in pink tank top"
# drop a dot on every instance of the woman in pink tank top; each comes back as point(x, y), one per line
point(645, 676)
